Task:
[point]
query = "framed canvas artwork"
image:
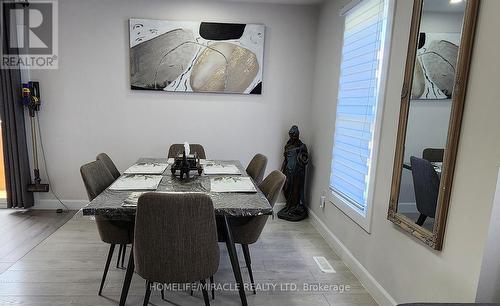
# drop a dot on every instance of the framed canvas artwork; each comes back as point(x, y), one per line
point(203, 57)
point(434, 73)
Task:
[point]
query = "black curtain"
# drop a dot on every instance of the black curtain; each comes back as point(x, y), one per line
point(15, 149)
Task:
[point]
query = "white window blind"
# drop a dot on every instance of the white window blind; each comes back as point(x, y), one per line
point(358, 97)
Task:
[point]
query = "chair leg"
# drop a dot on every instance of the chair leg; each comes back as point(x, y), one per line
point(248, 261)
point(123, 255)
point(119, 255)
point(213, 287)
point(148, 293)
point(235, 264)
point(205, 292)
point(128, 278)
point(108, 261)
point(421, 219)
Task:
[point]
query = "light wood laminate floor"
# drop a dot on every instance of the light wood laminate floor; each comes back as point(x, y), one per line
point(22, 230)
point(66, 269)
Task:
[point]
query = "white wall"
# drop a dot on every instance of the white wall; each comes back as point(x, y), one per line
point(405, 268)
point(441, 22)
point(489, 279)
point(89, 107)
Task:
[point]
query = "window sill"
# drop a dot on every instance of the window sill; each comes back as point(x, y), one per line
point(362, 220)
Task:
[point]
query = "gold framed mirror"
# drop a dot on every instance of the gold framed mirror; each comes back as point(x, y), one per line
point(432, 104)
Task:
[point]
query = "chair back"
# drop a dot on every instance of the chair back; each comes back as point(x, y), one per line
point(271, 186)
point(433, 155)
point(176, 147)
point(247, 230)
point(96, 178)
point(108, 162)
point(257, 167)
point(175, 238)
point(426, 185)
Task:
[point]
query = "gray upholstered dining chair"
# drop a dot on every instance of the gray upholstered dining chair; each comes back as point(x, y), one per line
point(247, 230)
point(96, 178)
point(110, 165)
point(257, 167)
point(108, 162)
point(176, 147)
point(175, 239)
point(433, 155)
point(426, 186)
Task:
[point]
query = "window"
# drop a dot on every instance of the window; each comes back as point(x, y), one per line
point(359, 104)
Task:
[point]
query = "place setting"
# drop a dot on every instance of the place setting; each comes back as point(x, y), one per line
point(184, 177)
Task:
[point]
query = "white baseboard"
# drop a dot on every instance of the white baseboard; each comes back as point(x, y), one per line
point(54, 204)
point(379, 294)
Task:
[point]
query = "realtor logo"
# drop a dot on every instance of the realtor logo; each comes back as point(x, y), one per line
point(29, 35)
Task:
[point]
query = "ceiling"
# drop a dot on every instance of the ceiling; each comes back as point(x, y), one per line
point(443, 6)
point(294, 2)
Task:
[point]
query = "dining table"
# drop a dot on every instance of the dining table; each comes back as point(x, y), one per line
point(228, 205)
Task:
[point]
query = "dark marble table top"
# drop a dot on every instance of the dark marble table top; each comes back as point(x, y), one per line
point(109, 202)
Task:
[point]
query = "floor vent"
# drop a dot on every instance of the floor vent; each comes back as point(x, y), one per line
point(323, 264)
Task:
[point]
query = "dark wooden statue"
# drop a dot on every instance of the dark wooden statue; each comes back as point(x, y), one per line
point(294, 168)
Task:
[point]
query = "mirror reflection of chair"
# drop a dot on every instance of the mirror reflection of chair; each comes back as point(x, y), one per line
point(176, 147)
point(426, 185)
point(433, 155)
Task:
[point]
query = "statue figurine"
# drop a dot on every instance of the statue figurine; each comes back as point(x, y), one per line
point(294, 168)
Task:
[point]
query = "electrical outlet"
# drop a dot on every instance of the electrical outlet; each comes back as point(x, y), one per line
point(322, 200)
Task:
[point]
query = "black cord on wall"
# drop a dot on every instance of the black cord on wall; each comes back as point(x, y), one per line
point(45, 165)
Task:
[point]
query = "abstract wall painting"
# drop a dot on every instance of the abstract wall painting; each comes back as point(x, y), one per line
point(202, 57)
point(434, 73)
